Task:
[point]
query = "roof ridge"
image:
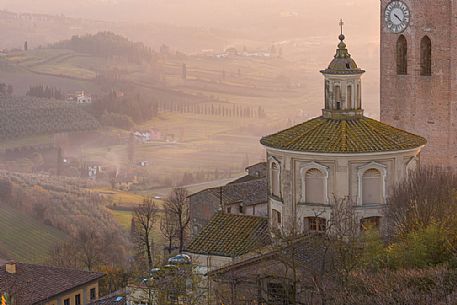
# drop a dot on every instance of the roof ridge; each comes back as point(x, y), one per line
point(58, 267)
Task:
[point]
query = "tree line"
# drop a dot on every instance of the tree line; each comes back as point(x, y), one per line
point(228, 110)
point(116, 109)
point(107, 45)
point(42, 91)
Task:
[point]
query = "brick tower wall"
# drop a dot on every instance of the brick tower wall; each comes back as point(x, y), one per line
point(423, 104)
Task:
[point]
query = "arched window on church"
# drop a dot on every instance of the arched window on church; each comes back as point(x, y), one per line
point(372, 187)
point(338, 97)
point(402, 56)
point(315, 187)
point(349, 97)
point(275, 179)
point(426, 56)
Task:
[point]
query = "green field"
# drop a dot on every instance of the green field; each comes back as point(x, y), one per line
point(123, 218)
point(24, 239)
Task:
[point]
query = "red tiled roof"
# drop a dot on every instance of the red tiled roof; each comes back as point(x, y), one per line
point(364, 135)
point(231, 235)
point(34, 283)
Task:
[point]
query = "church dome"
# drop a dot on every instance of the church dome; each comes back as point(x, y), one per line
point(342, 63)
point(363, 135)
point(342, 128)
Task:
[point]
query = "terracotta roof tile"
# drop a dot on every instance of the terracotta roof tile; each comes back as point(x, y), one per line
point(35, 283)
point(246, 192)
point(231, 235)
point(363, 135)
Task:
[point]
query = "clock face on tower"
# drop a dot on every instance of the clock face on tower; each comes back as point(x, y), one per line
point(397, 16)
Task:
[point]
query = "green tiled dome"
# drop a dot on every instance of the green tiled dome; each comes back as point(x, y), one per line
point(363, 135)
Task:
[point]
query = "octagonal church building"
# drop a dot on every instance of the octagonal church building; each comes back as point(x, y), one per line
point(339, 155)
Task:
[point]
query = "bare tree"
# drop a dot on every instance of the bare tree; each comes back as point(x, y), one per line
point(177, 205)
point(145, 216)
point(84, 250)
point(88, 243)
point(169, 228)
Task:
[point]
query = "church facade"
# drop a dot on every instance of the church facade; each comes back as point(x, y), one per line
point(341, 155)
point(418, 78)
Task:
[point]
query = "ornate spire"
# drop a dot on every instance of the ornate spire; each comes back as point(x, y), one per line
point(342, 52)
point(342, 62)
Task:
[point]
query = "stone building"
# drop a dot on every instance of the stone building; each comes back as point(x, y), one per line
point(244, 196)
point(227, 237)
point(418, 80)
point(340, 155)
point(27, 284)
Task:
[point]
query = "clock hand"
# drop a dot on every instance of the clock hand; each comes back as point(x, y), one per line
point(398, 17)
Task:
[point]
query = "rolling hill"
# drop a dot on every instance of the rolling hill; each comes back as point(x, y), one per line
point(25, 239)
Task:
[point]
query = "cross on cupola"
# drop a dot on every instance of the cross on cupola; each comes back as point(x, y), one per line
point(343, 86)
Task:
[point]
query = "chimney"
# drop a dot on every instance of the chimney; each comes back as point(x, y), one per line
point(11, 267)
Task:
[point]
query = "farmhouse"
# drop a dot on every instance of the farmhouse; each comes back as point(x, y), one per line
point(79, 97)
point(27, 284)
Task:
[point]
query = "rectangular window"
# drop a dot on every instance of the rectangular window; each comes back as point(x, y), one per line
point(241, 209)
point(78, 299)
point(229, 210)
point(276, 218)
point(279, 294)
point(93, 295)
point(370, 223)
point(317, 224)
point(66, 302)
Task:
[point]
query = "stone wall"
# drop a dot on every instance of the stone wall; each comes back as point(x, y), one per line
point(343, 181)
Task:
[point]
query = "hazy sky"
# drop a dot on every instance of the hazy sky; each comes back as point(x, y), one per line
point(364, 13)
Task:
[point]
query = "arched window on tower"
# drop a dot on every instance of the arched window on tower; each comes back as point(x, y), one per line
point(426, 56)
point(349, 97)
point(315, 186)
point(402, 56)
point(372, 187)
point(359, 97)
point(338, 97)
point(327, 94)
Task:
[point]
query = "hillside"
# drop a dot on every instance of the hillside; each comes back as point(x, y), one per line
point(107, 44)
point(25, 239)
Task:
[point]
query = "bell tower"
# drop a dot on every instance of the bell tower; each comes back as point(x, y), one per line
point(419, 73)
